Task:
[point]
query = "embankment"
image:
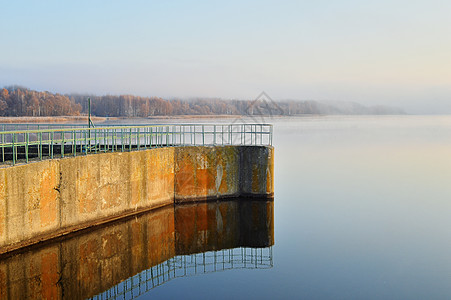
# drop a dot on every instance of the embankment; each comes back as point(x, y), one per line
point(43, 200)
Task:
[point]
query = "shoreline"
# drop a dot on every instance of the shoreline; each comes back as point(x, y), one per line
point(84, 119)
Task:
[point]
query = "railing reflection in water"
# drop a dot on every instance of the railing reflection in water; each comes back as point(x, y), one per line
point(190, 265)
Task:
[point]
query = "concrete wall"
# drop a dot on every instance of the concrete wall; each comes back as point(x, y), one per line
point(50, 198)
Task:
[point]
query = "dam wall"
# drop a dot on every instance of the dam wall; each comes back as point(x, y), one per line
point(46, 199)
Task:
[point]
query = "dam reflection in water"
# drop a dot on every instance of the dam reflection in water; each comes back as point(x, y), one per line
point(126, 259)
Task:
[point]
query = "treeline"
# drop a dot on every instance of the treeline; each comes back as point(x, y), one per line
point(134, 106)
point(20, 101)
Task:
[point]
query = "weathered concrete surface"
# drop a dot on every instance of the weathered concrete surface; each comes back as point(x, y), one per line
point(29, 201)
point(256, 171)
point(221, 172)
point(206, 172)
point(96, 186)
point(90, 263)
point(50, 198)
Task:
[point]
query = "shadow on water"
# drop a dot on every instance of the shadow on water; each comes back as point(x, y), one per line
point(128, 258)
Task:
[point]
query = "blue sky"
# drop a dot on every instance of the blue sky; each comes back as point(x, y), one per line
point(373, 52)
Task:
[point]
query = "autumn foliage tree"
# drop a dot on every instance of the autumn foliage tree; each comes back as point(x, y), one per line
point(19, 101)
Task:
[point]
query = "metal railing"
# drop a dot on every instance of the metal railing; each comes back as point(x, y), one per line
point(189, 265)
point(39, 126)
point(26, 145)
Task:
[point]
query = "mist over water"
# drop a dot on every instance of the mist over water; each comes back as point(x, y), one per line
point(362, 206)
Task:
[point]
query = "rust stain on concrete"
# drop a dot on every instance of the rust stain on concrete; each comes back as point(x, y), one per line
point(2, 205)
point(136, 180)
point(86, 186)
point(185, 179)
point(48, 195)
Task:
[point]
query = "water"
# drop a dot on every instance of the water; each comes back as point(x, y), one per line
point(361, 211)
point(362, 208)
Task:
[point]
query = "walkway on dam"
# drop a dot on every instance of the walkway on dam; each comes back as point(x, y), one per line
point(22, 143)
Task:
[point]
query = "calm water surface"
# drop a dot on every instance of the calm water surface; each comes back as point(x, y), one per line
point(362, 210)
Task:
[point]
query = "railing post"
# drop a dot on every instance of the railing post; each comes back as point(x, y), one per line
point(167, 136)
point(122, 139)
point(254, 133)
point(51, 150)
point(62, 143)
point(194, 135)
point(105, 144)
point(203, 135)
point(130, 141)
point(113, 139)
point(261, 134)
point(86, 142)
point(270, 136)
point(40, 146)
point(13, 148)
point(95, 140)
point(3, 146)
point(138, 138)
point(160, 137)
point(172, 135)
point(74, 144)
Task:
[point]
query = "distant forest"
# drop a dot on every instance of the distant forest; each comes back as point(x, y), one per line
point(20, 101)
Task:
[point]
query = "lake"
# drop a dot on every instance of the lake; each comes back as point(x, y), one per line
point(362, 208)
point(361, 211)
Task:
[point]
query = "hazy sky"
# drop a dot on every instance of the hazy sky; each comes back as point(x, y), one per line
point(373, 52)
